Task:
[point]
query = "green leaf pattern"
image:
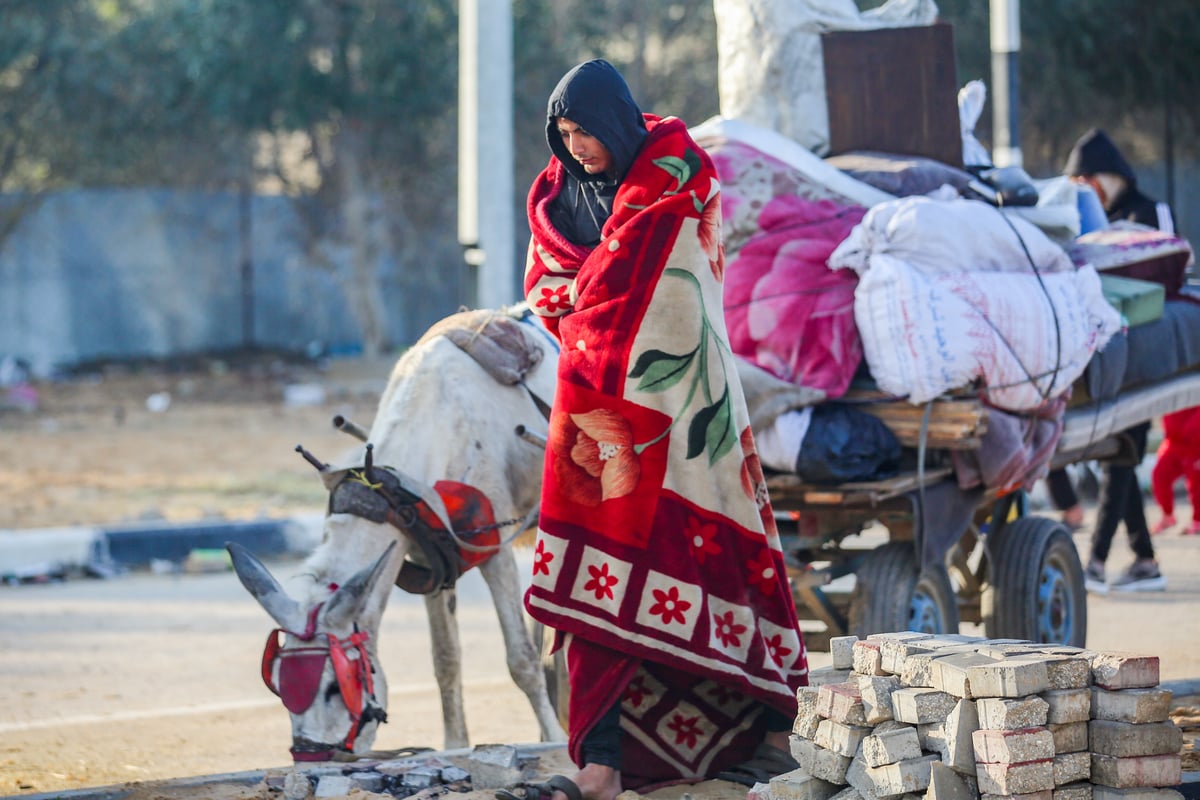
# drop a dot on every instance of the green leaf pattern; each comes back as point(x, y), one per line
point(711, 429)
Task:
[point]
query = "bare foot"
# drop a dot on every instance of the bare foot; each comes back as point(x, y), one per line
point(778, 739)
point(596, 782)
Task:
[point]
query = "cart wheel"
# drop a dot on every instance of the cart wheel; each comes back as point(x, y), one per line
point(1035, 588)
point(892, 593)
point(554, 666)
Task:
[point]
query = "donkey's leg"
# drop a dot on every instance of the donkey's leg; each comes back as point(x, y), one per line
point(524, 661)
point(447, 665)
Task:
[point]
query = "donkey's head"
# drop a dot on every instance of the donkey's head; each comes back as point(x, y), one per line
point(321, 659)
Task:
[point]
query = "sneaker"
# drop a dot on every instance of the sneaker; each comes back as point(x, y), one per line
point(1164, 524)
point(1142, 576)
point(1192, 529)
point(1093, 578)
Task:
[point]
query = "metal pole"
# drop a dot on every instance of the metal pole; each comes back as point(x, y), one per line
point(1006, 47)
point(485, 171)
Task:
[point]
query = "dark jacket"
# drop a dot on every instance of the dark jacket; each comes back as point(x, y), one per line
point(596, 97)
point(1095, 152)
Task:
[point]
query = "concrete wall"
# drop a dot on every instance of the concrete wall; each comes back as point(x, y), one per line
point(123, 274)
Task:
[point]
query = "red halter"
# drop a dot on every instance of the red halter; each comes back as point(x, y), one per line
point(300, 670)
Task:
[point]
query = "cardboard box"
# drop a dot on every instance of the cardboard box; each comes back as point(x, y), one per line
point(1138, 301)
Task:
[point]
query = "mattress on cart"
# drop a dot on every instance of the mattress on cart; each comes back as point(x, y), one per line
point(1144, 354)
point(1084, 426)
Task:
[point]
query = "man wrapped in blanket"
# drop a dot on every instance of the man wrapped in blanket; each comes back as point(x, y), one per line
point(658, 563)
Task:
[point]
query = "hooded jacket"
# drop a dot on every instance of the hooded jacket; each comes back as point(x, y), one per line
point(1095, 153)
point(596, 97)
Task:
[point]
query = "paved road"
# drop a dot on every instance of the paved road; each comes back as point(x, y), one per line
point(152, 676)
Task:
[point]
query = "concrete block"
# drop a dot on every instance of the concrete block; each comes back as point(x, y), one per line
point(1073, 791)
point(1125, 739)
point(946, 784)
point(1043, 795)
point(805, 725)
point(1124, 671)
point(893, 652)
point(820, 676)
point(1072, 767)
point(876, 693)
point(1012, 747)
point(841, 651)
point(949, 673)
point(830, 766)
point(914, 671)
point(910, 775)
point(1013, 677)
point(1134, 793)
point(917, 706)
point(1069, 737)
point(1131, 705)
point(1005, 714)
point(799, 785)
point(1031, 776)
point(804, 751)
point(1125, 773)
point(1069, 672)
point(806, 699)
point(932, 737)
point(840, 738)
point(333, 786)
point(1068, 705)
point(889, 743)
point(847, 793)
point(960, 726)
point(841, 702)
point(867, 658)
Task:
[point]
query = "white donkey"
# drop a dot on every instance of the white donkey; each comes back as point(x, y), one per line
point(443, 417)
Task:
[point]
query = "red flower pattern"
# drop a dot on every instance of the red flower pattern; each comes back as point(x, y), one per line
point(687, 729)
point(776, 649)
point(727, 630)
point(669, 606)
point(601, 582)
point(762, 573)
point(702, 537)
point(636, 691)
point(542, 559)
point(555, 298)
point(754, 483)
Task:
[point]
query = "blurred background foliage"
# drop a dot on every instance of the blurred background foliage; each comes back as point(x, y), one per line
point(334, 101)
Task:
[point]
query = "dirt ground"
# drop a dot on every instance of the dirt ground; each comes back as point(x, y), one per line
point(214, 439)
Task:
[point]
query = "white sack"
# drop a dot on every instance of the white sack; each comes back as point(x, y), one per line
point(925, 333)
point(948, 235)
point(770, 67)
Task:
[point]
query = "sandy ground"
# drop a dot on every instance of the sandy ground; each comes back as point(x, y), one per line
point(212, 441)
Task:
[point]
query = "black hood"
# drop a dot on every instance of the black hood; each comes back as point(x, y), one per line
point(596, 97)
point(1095, 152)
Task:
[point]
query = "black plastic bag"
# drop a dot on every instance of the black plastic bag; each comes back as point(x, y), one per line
point(844, 444)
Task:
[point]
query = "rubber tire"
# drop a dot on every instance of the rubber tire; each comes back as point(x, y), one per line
point(891, 593)
point(1035, 586)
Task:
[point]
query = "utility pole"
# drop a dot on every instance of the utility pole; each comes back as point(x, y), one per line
point(1006, 47)
point(485, 148)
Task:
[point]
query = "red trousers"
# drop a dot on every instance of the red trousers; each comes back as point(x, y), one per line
point(1173, 462)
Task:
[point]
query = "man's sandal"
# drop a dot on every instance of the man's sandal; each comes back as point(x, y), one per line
point(542, 791)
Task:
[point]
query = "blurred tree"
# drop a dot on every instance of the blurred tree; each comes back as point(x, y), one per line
point(1119, 64)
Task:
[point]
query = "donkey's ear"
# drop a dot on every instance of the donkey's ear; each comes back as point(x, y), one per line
point(261, 584)
point(345, 605)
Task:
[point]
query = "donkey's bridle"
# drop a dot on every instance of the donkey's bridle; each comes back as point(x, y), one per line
point(300, 670)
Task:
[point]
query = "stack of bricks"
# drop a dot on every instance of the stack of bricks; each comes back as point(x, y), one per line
point(953, 717)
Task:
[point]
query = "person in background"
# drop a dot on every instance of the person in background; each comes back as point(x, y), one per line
point(1096, 161)
point(1178, 456)
point(657, 562)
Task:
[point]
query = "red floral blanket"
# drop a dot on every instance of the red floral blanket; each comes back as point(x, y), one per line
point(657, 553)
